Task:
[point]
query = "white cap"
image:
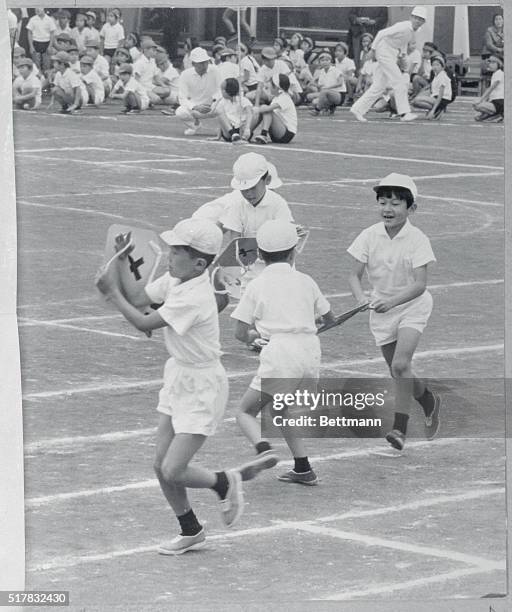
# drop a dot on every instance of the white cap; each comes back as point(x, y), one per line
point(398, 180)
point(275, 181)
point(420, 11)
point(247, 170)
point(277, 235)
point(200, 234)
point(198, 54)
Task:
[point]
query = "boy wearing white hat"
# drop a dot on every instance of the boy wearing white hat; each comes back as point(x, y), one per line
point(199, 89)
point(280, 306)
point(215, 210)
point(195, 391)
point(390, 46)
point(257, 204)
point(395, 255)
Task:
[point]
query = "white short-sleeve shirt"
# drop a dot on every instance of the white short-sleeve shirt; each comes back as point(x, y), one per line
point(93, 78)
point(102, 68)
point(67, 81)
point(135, 87)
point(113, 35)
point(286, 111)
point(265, 73)
point(246, 219)
point(82, 37)
point(145, 69)
point(347, 67)
point(192, 334)
point(32, 82)
point(172, 76)
point(252, 68)
point(331, 79)
point(41, 29)
point(390, 263)
point(281, 300)
point(235, 110)
point(499, 92)
point(442, 79)
point(228, 70)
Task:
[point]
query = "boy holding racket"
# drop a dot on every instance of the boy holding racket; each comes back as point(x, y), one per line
point(396, 255)
point(280, 307)
point(195, 391)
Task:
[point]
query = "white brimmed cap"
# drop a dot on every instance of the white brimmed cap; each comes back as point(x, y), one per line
point(199, 55)
point(275, 181)
point(247, 170)
point(420, 11)
point(200, 234)
point(277, 235)
point(398, 180)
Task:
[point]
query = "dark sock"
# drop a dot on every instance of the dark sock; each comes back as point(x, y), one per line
point(222, 485)
point(427, 402)
point(264, 132)
point(189, 524)
point(261, 447)
point(301, 465)
point(400, 422)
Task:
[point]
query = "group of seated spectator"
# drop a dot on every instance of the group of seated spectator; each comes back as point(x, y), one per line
point(86, 65)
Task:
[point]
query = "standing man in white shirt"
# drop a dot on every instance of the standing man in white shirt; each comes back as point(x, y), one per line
point(199, 88)
point(389, 45)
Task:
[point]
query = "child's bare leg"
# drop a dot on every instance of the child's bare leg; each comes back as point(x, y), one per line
point(252, 404)
point(175, 494)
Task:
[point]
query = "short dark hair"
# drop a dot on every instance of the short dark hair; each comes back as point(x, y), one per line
point(284, 82)
point(232, 87)
point(208, 257)
point(399, 192)
point(275, 257)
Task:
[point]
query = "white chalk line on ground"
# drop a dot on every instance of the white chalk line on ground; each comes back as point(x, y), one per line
point(72, 561)
point(286, 182)
point(36, 323)
point(333, 365)
point(325, 152)
point(379, 589)
point(328, 296)
point(367, 540)
point(44, 500)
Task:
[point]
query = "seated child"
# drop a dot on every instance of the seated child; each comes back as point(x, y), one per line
point(331, 87)
point(130, 91)
point(66, 84)
point(168, 78)
point(279, 118)
point(440, 91)
point(233, 112)
point(490, 106)
point(26, 88)
point(347, 68)
point(101, 65)
point(93, 91)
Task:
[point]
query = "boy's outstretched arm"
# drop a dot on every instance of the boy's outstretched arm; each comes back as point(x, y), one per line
point(107, 283)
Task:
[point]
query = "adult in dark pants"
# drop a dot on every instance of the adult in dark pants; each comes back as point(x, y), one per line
point(362, 20)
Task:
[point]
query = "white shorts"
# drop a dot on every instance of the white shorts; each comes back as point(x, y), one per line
point(194, 397)
point(288, 356)
point(415, 314)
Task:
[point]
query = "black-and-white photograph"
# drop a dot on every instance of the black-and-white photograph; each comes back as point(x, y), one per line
point(260, 306)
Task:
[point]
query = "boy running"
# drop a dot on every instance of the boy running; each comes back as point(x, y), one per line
point(280, 306)
point(193, 398)
point(395, 255)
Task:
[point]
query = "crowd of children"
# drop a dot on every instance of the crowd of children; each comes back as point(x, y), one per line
point(280, 309)
point(81, 64)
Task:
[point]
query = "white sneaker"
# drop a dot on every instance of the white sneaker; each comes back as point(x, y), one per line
point(193, 129)
point(182, 544)
point(358, 116)
point(232, 506)
point(408, 117)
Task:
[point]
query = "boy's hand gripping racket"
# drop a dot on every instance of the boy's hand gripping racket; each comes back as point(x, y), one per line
point(345, 316)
